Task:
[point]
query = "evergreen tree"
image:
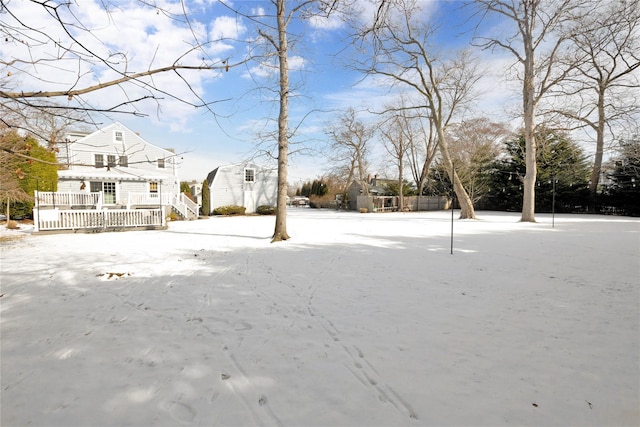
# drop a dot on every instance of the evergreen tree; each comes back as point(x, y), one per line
point(12, 152)
point(317, 187)
point(43, 175)
point(206, 199)
point(37, 169)
point(306, 189)
point(559, 159)
point(624, 193)
point(38, 175)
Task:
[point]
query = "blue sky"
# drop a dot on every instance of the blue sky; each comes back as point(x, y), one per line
point(322, 84)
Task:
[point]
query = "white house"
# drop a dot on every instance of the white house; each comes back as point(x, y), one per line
point(196, 191)
point(114, 168)
point(243, 184)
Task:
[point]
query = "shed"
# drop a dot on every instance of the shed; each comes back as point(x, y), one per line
point(243, 184)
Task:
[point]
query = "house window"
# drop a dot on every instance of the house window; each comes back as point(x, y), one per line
point(160, 163)
point(118, 136)
point(153, 187)
point(249, 175)
point(111, 160)
point(99, 160)
point(108, 190)
point(123, 161)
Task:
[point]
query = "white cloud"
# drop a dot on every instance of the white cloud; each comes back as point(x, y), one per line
point(332, 22)
point(270, 69)
point(258, 11)
point(226, 27)
point(134, 38)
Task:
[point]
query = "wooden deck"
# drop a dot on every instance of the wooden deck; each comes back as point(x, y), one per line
point(93, 220)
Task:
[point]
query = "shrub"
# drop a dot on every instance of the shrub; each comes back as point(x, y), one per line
point(229, 210)
point(173, 216)
point(364, 210)
point(326, 201)
point(265, 210)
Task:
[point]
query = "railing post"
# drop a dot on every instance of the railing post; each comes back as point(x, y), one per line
point(36, 219)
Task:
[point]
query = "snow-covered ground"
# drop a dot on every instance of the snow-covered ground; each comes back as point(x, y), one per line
point(358, 320)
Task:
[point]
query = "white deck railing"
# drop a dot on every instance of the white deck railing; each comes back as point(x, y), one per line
point(187, 208)
point(181, 203)
point(49, 198)
point(96, 220)
point(148, 199)
point(70, 209)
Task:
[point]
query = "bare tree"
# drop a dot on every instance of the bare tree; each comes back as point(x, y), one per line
point(280, 45)
point(474, 144)
point(350, 140)
point(396, 138)
point(401, 50)
point(420, 141)
point(536, 41)
point(276, 39)
point(603, 88)
point(59, 57)
point(423, 147)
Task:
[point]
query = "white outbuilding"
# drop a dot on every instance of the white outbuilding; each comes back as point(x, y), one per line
point(243, 184)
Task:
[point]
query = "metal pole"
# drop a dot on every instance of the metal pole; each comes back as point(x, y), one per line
point(38, 204)
point(160, 202)
point(453, 198)
point(553, 201)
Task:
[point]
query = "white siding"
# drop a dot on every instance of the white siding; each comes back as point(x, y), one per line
point(229, 187)
point(142, 162)
point(140, 154)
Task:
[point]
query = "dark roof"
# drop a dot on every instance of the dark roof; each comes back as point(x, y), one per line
point(211, 176)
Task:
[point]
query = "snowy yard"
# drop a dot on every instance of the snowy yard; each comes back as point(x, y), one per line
point(359, 320)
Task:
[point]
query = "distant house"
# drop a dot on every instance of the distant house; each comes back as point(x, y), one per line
point(379, 195)
point(196, 191)
point(243, 184)
point(115, 169)
point(381, 198)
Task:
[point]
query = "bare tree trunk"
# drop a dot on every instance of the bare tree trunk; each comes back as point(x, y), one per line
point(361, 173)
point(466, 204)
point(400, 184)
point(529, 110)
point(280, 232)
point(600, 129)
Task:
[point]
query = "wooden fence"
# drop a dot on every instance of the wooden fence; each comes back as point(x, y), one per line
point(411, 203)
point(96, 220)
